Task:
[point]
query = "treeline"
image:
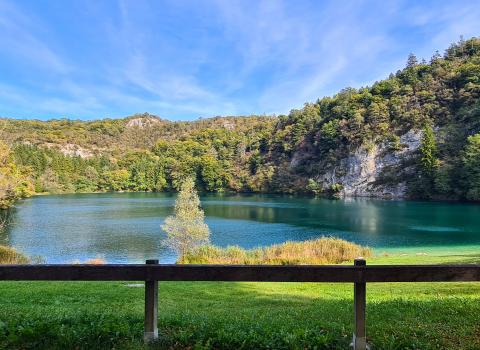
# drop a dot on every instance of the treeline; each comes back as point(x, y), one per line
point(14, 180)
point(287, 154)
point(439, 98)
point(220, 159)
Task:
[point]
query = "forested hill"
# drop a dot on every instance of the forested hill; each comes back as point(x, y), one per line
point(415, 134)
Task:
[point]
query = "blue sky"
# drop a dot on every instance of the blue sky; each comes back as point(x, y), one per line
point(184, 59)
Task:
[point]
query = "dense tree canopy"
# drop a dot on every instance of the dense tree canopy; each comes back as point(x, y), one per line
point(14, 181)
point(439, 99)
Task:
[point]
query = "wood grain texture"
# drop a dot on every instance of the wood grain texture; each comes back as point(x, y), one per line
point(254, 273)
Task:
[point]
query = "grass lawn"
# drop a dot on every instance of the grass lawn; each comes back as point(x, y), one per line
point(215, 315)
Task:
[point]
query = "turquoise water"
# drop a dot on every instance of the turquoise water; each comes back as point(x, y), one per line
point(125, 227)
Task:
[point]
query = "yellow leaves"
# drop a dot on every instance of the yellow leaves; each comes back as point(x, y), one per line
point(13, 183)
point(186, 229)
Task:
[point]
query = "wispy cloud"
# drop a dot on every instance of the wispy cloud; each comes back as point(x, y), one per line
point(184, 59)
point(308, 48)
point(18, 39)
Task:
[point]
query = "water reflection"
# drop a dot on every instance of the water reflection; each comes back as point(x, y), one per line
point(126, 227)
point(7, 217)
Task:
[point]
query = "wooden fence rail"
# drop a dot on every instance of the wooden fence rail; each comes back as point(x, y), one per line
point(152, 272)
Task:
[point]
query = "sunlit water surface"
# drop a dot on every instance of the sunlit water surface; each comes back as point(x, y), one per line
point(125, 227)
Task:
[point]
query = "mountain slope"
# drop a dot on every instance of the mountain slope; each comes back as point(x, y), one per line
point(411, 135)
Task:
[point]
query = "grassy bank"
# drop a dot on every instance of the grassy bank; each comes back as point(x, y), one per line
point(9, 255)
point(325, 250)
point(205, 315)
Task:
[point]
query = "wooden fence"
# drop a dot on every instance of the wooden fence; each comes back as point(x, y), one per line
point(359, 274)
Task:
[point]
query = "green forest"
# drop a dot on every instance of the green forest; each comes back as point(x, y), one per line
point(439, 99)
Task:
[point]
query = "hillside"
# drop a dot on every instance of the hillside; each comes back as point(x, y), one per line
point(415, 134)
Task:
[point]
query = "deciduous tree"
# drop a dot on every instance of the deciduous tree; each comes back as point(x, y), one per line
point(186, 229)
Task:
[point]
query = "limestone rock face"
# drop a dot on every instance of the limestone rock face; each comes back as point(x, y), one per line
point(142, 122)
point(71, 149)
point(360, 172)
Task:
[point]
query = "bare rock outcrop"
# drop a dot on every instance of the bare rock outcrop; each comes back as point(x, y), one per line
point(360, 172)
point(142, 122)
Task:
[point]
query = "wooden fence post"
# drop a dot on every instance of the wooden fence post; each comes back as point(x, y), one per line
point(151, 308)
point(360, 301)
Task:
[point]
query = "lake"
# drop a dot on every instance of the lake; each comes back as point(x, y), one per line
point(125, 227)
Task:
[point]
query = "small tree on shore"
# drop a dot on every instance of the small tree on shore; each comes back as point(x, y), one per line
point(186, 229)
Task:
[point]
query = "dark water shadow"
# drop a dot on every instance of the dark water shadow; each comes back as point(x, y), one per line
point(7, 220)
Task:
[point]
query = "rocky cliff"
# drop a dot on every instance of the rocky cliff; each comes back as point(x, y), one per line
point(361, 173)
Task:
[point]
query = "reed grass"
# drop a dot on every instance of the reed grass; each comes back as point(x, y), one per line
point(9, 255)
point(325, 250)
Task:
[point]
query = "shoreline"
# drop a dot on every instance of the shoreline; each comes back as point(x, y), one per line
point(294, 195)
point(424, 249)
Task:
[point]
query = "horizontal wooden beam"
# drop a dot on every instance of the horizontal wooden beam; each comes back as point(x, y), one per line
point(423, 273)
point(254, 273)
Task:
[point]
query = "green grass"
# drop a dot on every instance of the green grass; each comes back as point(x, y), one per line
point(208, 315)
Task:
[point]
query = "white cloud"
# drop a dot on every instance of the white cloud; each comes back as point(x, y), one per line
point(189, 59)
point(309, 48)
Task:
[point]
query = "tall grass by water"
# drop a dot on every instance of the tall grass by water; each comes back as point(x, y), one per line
point(9, 255)
point(325, 250)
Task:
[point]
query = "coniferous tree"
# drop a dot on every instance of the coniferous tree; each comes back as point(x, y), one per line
point(269, 154)
point(412, 60)
point(429, 151)
point(471, 161)
point(429, 160)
